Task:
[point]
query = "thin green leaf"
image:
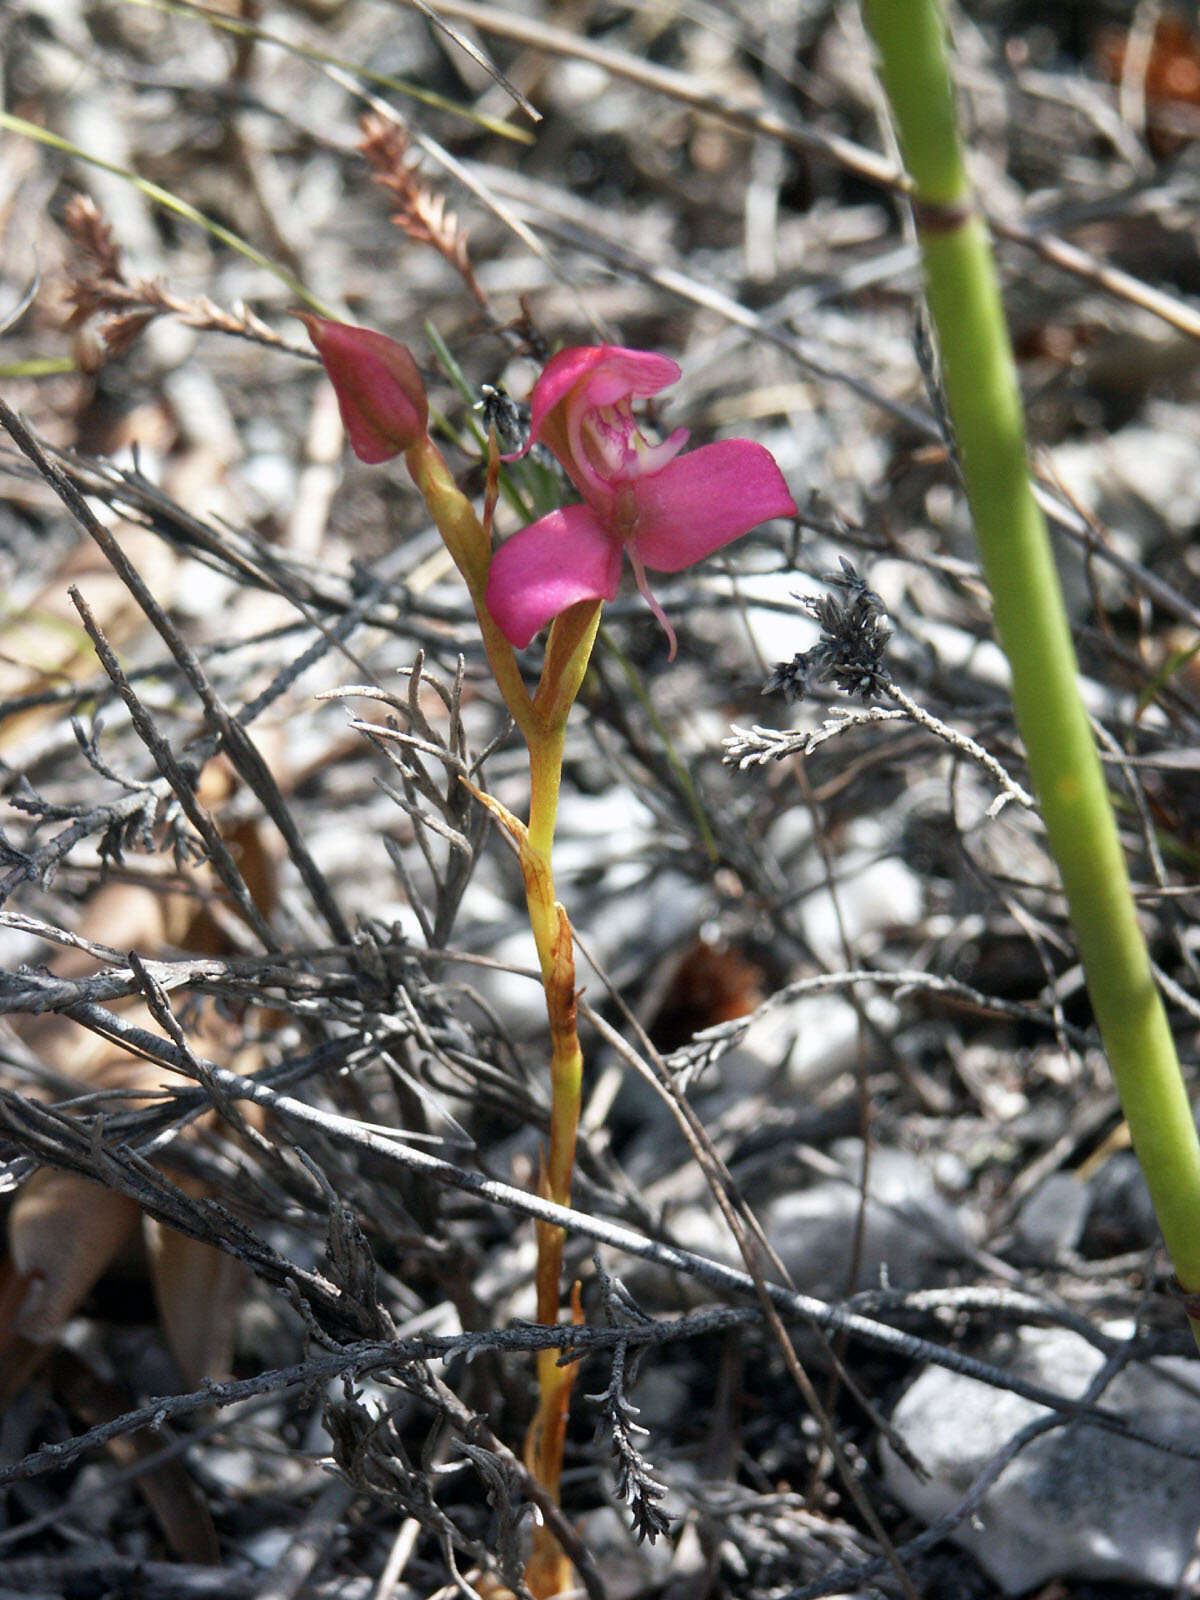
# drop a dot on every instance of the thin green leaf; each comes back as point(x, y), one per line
point(37, 367)
point(1177, 659)
point(169, 202)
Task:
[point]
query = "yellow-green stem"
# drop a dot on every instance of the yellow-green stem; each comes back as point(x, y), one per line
point(567, 652)
point(548, 1570)
point(542, 720)
point(985, 407)
point(471, 550)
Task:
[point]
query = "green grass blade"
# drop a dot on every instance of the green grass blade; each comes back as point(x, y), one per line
point(37, 367)
point(169, 202)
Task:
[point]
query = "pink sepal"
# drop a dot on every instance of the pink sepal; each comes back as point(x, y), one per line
point(706, 499)
point(542, 569)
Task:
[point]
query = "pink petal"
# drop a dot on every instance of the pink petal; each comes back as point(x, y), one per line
point(379, 390)
point(611, 373)
point(541, 570)
point(703, 500)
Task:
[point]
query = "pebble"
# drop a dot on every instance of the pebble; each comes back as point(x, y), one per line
point(1051, 1220)
point(1076, 1502)
point(911, 1232)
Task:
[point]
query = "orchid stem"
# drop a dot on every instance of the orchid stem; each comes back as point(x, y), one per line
point(470, 548)
point(985, 408)
point(542, 720)
point(568, 650)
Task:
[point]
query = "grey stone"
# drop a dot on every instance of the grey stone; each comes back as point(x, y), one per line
point(1122, 1215)
point(1052, 1218)
point(1077, 1502)
point(910, 1233)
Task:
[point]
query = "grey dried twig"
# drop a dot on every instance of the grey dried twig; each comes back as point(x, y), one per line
point(636, 1484)
point(851, 654)
point(443, 809)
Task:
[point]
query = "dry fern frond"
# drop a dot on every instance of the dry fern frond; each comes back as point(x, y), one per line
point(421, 211)
point(128, 305)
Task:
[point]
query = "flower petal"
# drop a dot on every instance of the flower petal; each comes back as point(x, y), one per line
point(610, 373)
point(546, 567)
point(379, 390)
point(705, 499)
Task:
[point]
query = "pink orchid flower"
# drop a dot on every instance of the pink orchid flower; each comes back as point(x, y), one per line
point(644, 500)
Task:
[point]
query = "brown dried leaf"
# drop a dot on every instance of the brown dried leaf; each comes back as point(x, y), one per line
point(197, 1289)
point(1172, 68)
point(178, 1506)
point(19, 1357)
point(63, 1231)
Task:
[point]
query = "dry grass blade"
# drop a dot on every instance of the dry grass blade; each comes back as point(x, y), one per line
point(247, 30)
point(471, 49)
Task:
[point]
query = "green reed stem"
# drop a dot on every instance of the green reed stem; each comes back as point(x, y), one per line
point(1031, 623)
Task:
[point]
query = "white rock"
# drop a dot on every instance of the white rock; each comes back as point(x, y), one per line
point(1140, 479)
point(1052, 1218)
point(627, 1566)
point(268, 1548)
point(779, 628)
point(1076, 1502)
point(817, 1036)
point(910, 1233)
point(887, 894)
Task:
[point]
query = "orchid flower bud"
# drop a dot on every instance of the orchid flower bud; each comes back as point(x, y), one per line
point(379, 389)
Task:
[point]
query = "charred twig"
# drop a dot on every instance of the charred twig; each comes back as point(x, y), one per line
point(234, 739)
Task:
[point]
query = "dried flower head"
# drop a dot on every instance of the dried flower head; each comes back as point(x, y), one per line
point(850, 651)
